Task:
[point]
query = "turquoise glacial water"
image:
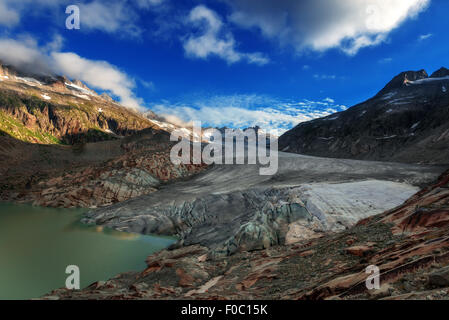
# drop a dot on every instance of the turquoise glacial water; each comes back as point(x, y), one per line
point(37, 244)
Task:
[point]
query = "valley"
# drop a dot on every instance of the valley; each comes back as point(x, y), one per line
point(305, 232)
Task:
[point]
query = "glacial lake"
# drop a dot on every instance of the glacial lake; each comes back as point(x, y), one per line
point(37, 244)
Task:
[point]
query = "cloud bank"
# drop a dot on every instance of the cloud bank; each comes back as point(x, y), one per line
point(242, 111)
point(306, 25)
point(320, 25)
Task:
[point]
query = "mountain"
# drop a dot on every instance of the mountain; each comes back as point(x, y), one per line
point(55, 110)
point(63, 145)
point(407, 121)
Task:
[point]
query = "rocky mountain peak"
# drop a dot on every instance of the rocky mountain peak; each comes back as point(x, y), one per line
point(6, 70)
point(80, 84)
point(403, 78)
point(440, 73)
point(64, 79)
point(106, 97)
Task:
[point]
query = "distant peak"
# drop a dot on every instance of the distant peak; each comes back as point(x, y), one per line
point(407, 76)
point(403, 78)
point(440, 73)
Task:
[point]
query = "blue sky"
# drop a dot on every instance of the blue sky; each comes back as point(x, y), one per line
point(231, 62)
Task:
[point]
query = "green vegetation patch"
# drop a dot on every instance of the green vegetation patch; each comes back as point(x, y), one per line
point(16, 129)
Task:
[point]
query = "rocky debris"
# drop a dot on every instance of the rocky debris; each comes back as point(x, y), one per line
point(359, 251)
point(439, 278)
point(407, 121)
point(318, 268)
point(91, 188)
point(91, 175)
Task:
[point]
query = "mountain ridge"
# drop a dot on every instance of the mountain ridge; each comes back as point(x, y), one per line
point(407, 121)
point(54, 109)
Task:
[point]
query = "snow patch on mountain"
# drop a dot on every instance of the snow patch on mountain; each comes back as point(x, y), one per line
point(389, 95)
point(164, 125)
point(30, 81)
point(386, 138)
point(80, 89)
point(82, 96)
point(427, 80)
point(414, 126)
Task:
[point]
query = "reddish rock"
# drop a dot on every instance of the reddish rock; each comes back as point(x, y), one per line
point(185, 280)
point(359, 251)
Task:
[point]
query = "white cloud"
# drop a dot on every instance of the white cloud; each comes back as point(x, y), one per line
point(215, 40)
point(25, 54)
point(242, 111)
point(320, 25)
point(99, 74)
point(111, 17)
point(8, 16)
point(28, 56)
point(425, 36)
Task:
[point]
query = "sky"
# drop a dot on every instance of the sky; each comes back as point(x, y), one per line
point(234, 63)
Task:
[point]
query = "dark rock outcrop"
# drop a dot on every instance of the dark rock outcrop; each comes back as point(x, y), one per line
point(402, 79)
point(440, 73)
point(407, 121)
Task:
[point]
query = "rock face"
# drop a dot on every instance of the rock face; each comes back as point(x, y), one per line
point(90, 175)
point(440, 73)
point(409, 244)
point(403, 79)
point(54, 110)
point(407, 121)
